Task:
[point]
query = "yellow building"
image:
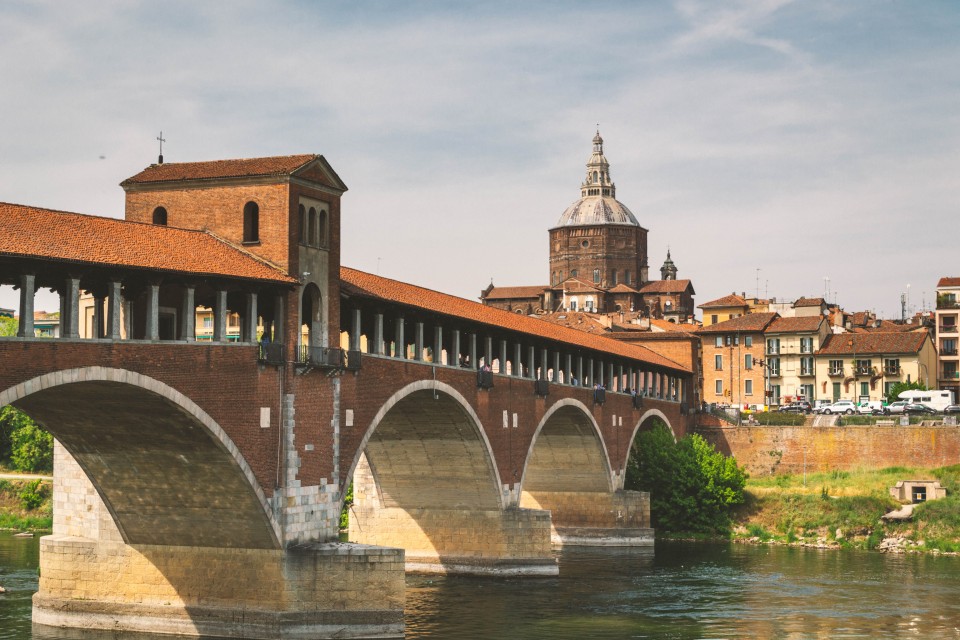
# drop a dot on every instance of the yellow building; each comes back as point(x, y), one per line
point(723, 309)
point(863, 366)
point(790, 347)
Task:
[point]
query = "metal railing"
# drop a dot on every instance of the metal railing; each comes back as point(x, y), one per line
point(328, 358)
point(270, 353)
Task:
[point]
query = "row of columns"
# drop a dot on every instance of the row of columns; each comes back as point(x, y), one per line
point(468, 349)
point(113, 328)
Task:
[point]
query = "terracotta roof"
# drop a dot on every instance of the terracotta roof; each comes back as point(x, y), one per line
point(872, 343)
point(673, 327)
point(83, 239)
point(621, 288)
point(575, 320)
point(809, 302)
point(949, 282)
point(360, 283)
point(510, 293)
point(577, 285)
point(795, 325)
point(751, 322)
point(733, 300)
point(242, 168)
point(666, 286)
point(889, 326)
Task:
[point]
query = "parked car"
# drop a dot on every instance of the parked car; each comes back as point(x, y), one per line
point(801, 406)
point(915, 408)
point(873, 407)
point(897, 407)
point(841, 406)
point(952, 409)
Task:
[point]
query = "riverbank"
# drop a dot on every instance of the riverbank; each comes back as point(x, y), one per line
point(26, 502)
point(844, 509)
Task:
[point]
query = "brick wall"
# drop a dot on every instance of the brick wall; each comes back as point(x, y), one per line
point(774, 450)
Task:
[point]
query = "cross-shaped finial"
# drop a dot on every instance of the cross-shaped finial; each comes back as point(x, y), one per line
point(162, 140)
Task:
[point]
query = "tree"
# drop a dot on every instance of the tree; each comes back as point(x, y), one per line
point(8, 326)
point(895, 390)
point(23, 443)
point(692, 486)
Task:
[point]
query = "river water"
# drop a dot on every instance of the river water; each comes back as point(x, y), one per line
point(682, 591)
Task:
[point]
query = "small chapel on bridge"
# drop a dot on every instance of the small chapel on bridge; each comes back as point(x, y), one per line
point(599, 261)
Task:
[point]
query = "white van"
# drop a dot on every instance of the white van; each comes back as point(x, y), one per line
point(935, 399)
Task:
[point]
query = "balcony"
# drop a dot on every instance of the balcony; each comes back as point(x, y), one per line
point(328, 358)
point(866, 371)
point(835, 372)
point(270, 353)
point(774, 373)
point(948, 352)
point(948, 328)
point(892, 371)
point(807, 372)
point(950, 375)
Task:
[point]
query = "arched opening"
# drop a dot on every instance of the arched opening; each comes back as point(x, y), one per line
point(312, 227)
point(423, 473)
point(322, 229)
point(165, 471)
point(160, 216)
point(312, 326)
point(251, 222)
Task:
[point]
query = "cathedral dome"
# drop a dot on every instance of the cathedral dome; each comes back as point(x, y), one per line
point(598, 202)
point(597, 210)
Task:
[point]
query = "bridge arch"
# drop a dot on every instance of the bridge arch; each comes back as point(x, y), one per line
point(427, 435)
point(645, 419)
point(166, 471)
point(567, 454)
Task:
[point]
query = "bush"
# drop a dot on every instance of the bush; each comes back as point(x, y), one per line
point(31, 448)
point(31, 496)
point(777, 419)
point(692, 486)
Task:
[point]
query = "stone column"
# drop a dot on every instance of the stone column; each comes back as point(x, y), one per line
point(474, 363)
point(454, 358)
point(220, 317)
point(418, 341)
point(188, 314)
point(438, 345)
point(27, 290)
point(488, 351)
point(377, 347)
point(517, 368)
point(503, 356)
point(250, 315)
point(580, 370)
point(70, 309)
point(114, 305)
point(400, 350)
point(355, 330)
point(98, 304)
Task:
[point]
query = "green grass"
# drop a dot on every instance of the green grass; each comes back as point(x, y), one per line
point(849, 503)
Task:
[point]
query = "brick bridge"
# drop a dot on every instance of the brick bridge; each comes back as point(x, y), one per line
point(195, 479)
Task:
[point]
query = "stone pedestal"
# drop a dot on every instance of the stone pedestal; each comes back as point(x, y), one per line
point(328, 590)
point(582, 518)
point(466, 541)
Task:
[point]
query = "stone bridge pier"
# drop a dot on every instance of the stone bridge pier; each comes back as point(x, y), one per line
point(160, 526)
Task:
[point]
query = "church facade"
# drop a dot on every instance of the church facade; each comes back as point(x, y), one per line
point(599, 261)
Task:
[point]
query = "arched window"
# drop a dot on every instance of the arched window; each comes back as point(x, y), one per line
point(312, 227)
point(160, 216)
point(251, 222)
point(303, 225)
point(322, 228)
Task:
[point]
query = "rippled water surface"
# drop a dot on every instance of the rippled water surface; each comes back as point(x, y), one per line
point(681, 591)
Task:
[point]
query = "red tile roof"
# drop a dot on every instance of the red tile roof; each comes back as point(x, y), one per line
point(949, 282)
point(83, 239)
point(621, 288)
point(360, 283)
point(576, 320)
point(795, 325)
point(749, 323)
point(576, 285)
point(733, 300)
point(873, 343)
point(666, 286)
point(242, 168)
point(511, 293)
point(809, 302)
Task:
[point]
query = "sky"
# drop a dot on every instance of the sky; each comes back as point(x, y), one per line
point(778, 148)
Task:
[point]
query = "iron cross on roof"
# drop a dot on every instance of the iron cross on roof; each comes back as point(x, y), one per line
point(162, 140)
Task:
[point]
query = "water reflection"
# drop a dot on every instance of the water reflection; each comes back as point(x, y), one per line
point(683, 592)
